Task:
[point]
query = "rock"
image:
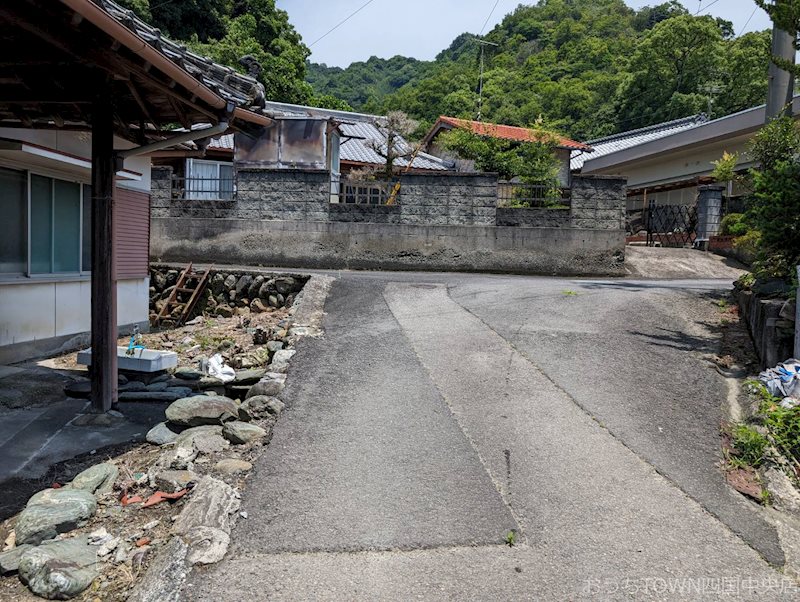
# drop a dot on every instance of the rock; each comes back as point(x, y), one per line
point(274, 346)
point(210, 444)
point(122, 379)
point(783, 494)
point(237, 391)
point(162, 396)
point(98, 479)
point(161, 434)
point(207, 545)
point(249, 377)
point(273, 301)
point(206, 520)
point(101, 420)
point(231, 466)
point(187, 437)
point(108, 546)
point(178, 458)
point(252, 291)
point(285, 285)
point(217, 284)
point(122, 553)
point(209, 382)
point(164, 577)
point(266, 289)
point(157, 387)
point(229, 282)
point(158, 280)
point(179, 391)
point(238, 432)
point(175, 480)
point(188, 374)
point(9, 560)
point(224, 310)
point(59, 570)
point(132, 386)
point(201, 409)
point(281, 359)
point(81, 389)
point(260, 406)
point(268, 387)
point(54, 511)
point(258, 307)
point(243, 285)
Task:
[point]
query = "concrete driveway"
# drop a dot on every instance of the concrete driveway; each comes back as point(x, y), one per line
point(442, 417)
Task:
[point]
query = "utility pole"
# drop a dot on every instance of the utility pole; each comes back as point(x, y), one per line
point(483, 43)
point(781, 83)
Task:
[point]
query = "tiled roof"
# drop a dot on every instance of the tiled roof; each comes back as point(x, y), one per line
point(244, 91)
point(506, 132)
point(618, 142)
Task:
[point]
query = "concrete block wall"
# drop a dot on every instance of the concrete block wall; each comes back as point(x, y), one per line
point(533, 217)
point(449, 199)
point(283, 194)
point(598, 202)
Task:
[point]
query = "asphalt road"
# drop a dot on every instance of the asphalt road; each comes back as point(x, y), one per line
point(441, 413)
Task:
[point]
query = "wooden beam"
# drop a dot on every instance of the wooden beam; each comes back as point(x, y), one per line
point(104, 290)
point(184, 121)
point(140, 101)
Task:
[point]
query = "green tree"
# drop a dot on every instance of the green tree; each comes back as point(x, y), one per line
point(669, 69)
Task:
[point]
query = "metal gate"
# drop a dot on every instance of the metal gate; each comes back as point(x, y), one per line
point(670, 225)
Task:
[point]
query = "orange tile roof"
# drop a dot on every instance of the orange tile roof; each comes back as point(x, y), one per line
point(508, 132)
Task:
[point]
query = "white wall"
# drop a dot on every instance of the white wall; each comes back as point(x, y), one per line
point(39, 310)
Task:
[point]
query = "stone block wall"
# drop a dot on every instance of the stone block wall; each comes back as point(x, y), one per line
point(283, 194)
point(449, 199)
point(598, 202)
point(533, 217)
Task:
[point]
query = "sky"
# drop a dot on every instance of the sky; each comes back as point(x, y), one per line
point(423, 28)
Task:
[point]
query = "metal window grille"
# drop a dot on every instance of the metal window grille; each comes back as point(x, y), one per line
point(517, 194)
point(363, 192)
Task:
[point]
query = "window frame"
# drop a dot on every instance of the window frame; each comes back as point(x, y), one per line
point(27, 276)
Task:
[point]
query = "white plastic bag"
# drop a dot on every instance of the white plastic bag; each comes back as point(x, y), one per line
point(218, 369)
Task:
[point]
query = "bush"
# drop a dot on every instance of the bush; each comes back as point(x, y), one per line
point(734, 224)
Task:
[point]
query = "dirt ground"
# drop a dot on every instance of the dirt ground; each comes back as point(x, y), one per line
point(666, 263)
point(233, 337)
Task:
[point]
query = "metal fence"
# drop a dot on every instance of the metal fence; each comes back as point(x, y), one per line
point(516, 194)
point(204, 189)
point(670, 225)
point(363, 192)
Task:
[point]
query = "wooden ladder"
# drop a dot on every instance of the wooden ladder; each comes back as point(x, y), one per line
point(189, 282)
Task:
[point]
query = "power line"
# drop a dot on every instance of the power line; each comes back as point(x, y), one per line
point(342, 22)
point(707, 6)
point(744, 28)
point(485, 23)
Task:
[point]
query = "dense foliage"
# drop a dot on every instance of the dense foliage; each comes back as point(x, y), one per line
point(227, 30)
point(589, 67)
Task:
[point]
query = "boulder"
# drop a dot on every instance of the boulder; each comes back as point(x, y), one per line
point(285, 285)
point(273, 301)
point(162, 396)
point(54, 511)
point(81, 389)
point(231, 466)
point(266, 289)
point(259, 407)
point(257, 306)
point(249, 377)
point(274, 346)
point(174, 480)
point(238, 432)
point(229, 282)
point(243, 285)
point(59, 570)
point(188, 374)
point(164, 577)
point(98, 479)
point(217, 284)
point(224, 310)
point(206, 520)
point(157, 387)
point(158, 280)
point(187, 437)
point(281, 359)
point(161, 434)
point(9, 560)
point(202, 409)
point(252, 291)
point(266, 387)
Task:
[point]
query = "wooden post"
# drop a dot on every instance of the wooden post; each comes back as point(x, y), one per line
point(797, 320)
point(104, 290)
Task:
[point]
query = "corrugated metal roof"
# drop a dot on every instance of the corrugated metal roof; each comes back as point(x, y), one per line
point(618, 142)
point(506, 132)
point(360, 148)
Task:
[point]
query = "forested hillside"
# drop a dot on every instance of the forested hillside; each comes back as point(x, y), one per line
point(588, 67)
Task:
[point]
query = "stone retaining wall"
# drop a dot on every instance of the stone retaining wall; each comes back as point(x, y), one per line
point(771, 324)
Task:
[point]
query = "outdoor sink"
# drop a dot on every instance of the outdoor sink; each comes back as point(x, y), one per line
point(142, 360)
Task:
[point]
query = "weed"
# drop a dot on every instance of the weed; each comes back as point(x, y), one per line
point(511, 538)
point(722, 304)
point(749, 445)
point(569, 293)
